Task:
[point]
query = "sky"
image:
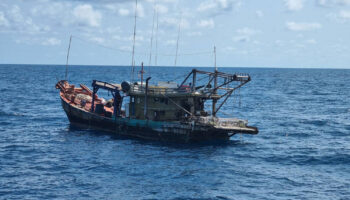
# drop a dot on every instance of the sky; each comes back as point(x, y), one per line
point(246, 33)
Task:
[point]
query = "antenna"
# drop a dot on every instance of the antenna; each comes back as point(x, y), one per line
point(133, 46)
point(156, 57)
point(178, 38)
point(70, 41)
point(216, 69)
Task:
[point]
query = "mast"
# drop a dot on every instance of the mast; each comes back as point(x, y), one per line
point(150, 53)
point(141, 72)
point(156, 57)
point(70, 41)
point(133, 46)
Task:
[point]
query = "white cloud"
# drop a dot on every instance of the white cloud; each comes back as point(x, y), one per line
point(241, 38)
point(174, 22)
point(196, 33)
point(342, 16)
point(293, 26)
point(162, 1)
point(17, 20)
point(218, 6)
point(169, 21)
point(245, 34)
point(140, 10)
point(37, 40)
point(345, 14)
point(299, 45)
point(170, 42)
point(343, 2)
point(229, 49)
point(204, 6)
point(311, 41)
point(112, 7)
point(112, 30)
point(247, 31)
point(98, 40)
point(161, 9)
point(51, 42)
point(206, 23)
point(16, 14)
point(322, 2)
point(138, 38)
point(3, 20)
point(333, 2)
point(294, 5)
point(125, 48)
point(85, 14)
point(259, 13)
point(123, 12)
point(279, 43)
point(54, 13)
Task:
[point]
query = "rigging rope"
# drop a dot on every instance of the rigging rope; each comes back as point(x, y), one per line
point(66, 74)
point(143, 53)
point(181, 76)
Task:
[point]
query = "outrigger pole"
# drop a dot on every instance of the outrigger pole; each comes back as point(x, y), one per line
point(66, 74)
point(212, 92)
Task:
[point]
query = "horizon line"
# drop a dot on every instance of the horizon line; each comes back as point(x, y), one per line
point(261, 67)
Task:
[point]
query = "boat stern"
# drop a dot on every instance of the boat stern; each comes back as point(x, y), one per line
point(230, 126)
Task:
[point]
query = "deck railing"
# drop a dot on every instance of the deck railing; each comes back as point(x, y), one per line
point(164, 91)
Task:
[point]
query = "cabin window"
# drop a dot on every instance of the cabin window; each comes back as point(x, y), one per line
point(132, 99)
point(138, 100)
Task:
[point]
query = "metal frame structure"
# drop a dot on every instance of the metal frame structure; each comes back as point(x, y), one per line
point(220, 79)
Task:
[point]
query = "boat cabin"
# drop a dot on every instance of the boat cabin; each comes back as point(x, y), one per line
point(168, 101)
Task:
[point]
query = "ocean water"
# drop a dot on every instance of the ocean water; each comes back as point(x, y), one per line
point(301, 152)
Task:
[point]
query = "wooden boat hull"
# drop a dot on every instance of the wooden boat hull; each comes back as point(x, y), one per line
point(145, 129)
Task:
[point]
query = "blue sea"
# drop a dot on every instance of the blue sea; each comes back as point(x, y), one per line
point(301, 152)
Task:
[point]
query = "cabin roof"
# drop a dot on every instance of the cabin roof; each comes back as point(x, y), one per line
point(161, 91)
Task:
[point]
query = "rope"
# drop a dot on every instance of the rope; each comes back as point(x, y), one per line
point(178, 77)
point(106, 47)
point(142, 53)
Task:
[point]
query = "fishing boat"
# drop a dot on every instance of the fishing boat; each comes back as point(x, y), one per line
point(165, 111)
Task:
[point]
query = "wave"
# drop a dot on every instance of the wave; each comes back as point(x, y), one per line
point(334, 159)
point(11, 114)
